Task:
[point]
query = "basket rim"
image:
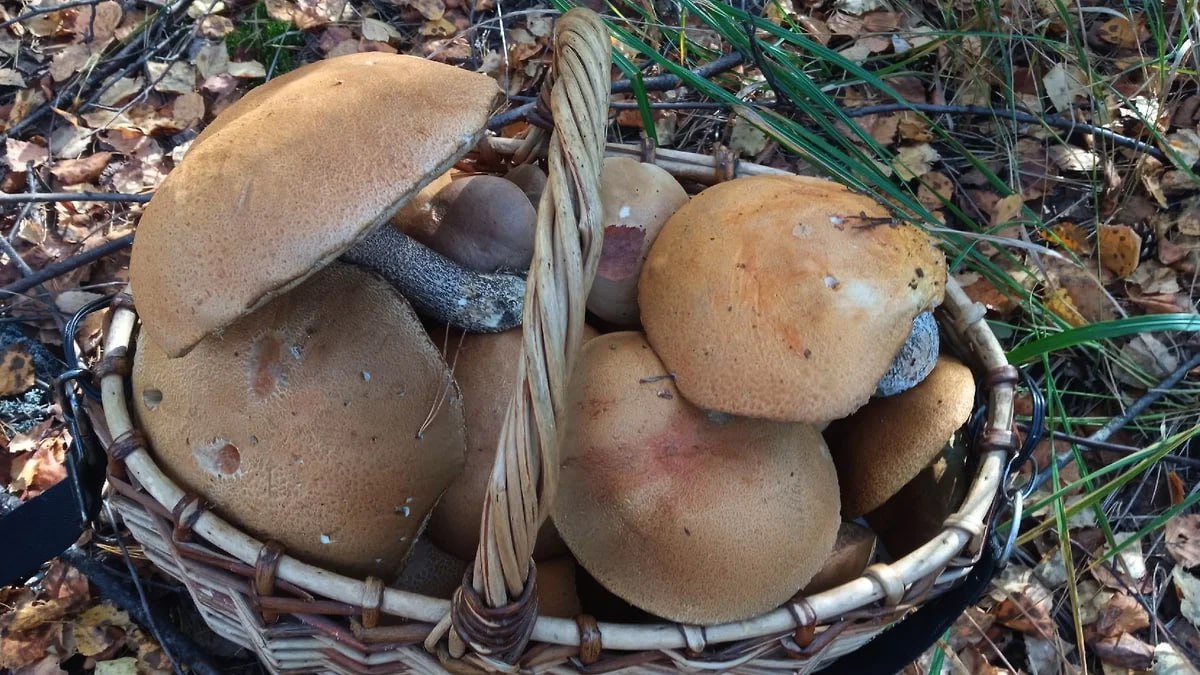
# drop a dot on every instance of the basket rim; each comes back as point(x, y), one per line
point(888, 582)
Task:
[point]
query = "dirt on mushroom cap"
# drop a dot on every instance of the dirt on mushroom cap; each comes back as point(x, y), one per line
point(785, 297)
point(299, 423)
point(254, 207)
point(691, 519)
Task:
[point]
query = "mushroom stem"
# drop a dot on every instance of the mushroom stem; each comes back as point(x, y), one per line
point(438, 287)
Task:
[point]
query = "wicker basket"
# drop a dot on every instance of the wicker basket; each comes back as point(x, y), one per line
point(300, 618)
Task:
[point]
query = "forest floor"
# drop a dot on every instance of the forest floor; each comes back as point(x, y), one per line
point(1052, 147)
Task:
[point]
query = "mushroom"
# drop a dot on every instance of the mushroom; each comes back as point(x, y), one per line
point(416, 218)
point(890, 440)
point(852, 552)
point(485, 223)
point(295, 174)
point(785, 297)
point(556, 591)
point(431, 571)
point(691, 519)
point(299, 423)
point(485, 368)
point(918, 512)
point(638, 198)
point(530, 179)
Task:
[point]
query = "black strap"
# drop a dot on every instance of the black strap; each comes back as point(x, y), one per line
point(905, 641)
point(48, 524)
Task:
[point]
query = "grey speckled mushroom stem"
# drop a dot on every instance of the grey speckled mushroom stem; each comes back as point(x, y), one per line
point(916, 358)
point(438, 287)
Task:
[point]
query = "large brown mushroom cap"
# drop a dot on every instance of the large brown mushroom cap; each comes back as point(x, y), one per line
point(290, 177)
point(638, 198)
point(785, 297)
point(692, 519)
point(890, 440)
point(852, 552)
point(300, 421)
point(485, 367)
point(918, 512)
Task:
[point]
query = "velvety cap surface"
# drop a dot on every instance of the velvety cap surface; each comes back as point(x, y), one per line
point(291, 176)
point(785, 297)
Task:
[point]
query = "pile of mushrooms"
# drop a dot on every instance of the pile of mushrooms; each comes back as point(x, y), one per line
point(330, 339)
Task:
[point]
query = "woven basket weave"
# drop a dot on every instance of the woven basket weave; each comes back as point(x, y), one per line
point(301, 618)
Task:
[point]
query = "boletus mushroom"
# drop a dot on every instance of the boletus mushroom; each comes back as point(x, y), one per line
point(295, 174)
point(637, 198)
point(485, 223)
point(918, 512)
point(785, 297)
point(690, 518)
point(890, 440)
point(852, 552)
point(326, 420)
point(485, 368)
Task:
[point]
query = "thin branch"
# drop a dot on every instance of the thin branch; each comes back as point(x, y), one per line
point(655, 83)
point(19, 198)
point(74, 262)
point(33, 14)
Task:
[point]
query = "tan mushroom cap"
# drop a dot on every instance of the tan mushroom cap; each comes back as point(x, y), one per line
point(638, 198)
point(299, 422)
point(485, 368)
point(852, 552)
point(484, 223)
point(291, 176)
point(692, 519)
point(918, 512)
point(557, 595)
point(785, 297)
point(890, 440)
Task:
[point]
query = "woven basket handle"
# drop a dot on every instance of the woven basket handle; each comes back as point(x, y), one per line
point(494, 613)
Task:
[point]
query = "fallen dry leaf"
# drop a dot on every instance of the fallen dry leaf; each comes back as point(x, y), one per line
point(176, 77)
point(247, 69)
point(1183, 539)
point(69, 61)
point(1188, 588)
point(1121, 613)
point(1148, 354)
point(123, 666)
point(935, 188)
point(1125, 651)
point(1085, 292)
point(1124, 31)
point(914, 161)
point(745, 138)
point(83, 170)
point(1007, 209)
point(1168, 661)
point(1120, 249)
point(1059, 301)
point(22, 153)
point(1064, 84)
point(16, 370)
point(11, 78)
point(1071, 236)
point(1027, 611)
point(99, 628)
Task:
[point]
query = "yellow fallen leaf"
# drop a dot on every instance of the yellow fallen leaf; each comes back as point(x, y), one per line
point(1007, 209)
point(913, 161)
point(1059, 302)
point(1124, 31)
point(1072, 237)
point(93, 630)
point(1120, 249)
